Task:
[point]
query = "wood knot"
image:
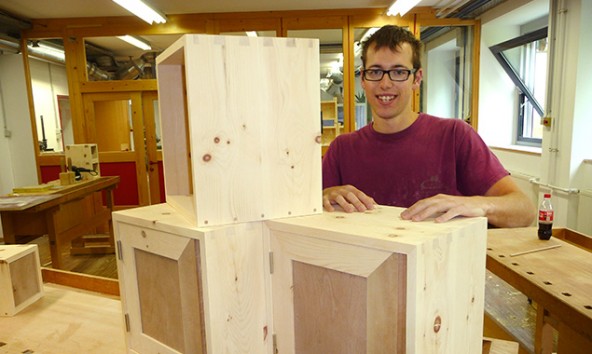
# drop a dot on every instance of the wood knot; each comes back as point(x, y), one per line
point(216, 140)
point(207, 157)
point(437, 324)
point(318, 139)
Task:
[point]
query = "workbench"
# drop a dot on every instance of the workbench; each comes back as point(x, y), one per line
point(64, 213)
point(556, 275)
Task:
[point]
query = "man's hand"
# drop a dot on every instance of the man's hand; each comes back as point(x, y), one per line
point(504, 205)
point(348, 197)
point(446, 207)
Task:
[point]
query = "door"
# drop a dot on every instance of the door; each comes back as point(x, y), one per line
point(127, 145)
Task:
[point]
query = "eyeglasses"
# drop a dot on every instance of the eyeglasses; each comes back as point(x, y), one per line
point(394, 74)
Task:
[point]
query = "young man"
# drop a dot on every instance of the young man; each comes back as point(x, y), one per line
point(434, 167)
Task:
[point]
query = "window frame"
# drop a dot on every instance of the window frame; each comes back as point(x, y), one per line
point(525, 94)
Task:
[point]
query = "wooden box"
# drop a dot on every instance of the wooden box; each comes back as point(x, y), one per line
point(373, 283)
point(191, 290)
point(324, 283)
point(241, 128)
point(84, 156)
point(20, 278)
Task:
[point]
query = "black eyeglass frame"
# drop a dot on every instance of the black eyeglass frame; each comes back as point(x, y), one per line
point(408, 71)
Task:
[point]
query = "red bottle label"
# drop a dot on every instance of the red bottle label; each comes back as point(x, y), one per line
point(546, 215)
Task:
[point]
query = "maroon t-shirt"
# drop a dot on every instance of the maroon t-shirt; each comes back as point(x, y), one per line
point(432, 156)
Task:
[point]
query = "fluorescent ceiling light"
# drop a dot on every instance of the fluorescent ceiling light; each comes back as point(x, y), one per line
point(142, 10)
point(401, 7)
point(251, 33)
point(135, 42)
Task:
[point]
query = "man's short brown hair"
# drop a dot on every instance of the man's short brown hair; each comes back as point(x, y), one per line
point(392, 37)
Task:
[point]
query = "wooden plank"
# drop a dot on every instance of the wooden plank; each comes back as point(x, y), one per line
point(574, 237)
point(102, 285)
point(497, 346)
point(511, 311)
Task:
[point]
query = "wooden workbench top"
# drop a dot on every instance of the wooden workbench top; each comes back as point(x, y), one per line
point(560, 278)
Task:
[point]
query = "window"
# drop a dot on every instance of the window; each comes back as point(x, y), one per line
point(524, 59)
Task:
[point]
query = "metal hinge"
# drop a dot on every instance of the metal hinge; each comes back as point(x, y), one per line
point(119, 251)
point(127, 323)
point(270, 262)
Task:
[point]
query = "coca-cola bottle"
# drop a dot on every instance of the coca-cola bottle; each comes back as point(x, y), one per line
point(546, 218)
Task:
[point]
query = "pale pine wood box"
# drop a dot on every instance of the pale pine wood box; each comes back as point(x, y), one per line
point(83, 156)
point(331, 282)
point(191, 290)
point(241, 127)
point(20, 278)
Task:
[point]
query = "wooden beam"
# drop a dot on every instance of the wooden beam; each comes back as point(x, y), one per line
point(94, 283)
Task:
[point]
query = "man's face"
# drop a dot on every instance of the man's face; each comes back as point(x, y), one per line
point(390, 99)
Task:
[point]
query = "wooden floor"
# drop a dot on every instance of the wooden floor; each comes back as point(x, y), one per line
point(94, 264)
point(65, 320)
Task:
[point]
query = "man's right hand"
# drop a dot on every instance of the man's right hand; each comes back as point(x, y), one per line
point(348, 197)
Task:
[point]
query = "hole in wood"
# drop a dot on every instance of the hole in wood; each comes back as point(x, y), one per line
point(216, 140)
point(489, 249)
point(207, 157)
point(501, 256)
point(566, 294)
point(547, 283)
point(588, 307)
point(514, 263)
point(531, 273)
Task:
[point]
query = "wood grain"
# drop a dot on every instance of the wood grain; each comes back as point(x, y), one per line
point(65, 320)
point(252, 108)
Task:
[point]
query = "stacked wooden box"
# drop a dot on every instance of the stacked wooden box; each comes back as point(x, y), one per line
point(241, 259)
point(20, 278)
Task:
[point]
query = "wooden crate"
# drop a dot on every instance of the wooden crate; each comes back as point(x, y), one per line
point(20, 278)
point(241, 128)
point(333, 282)
point(373, 283)
point(191, 290)
point(84, 156)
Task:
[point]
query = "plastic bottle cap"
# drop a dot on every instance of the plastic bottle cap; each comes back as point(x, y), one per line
point(547, 195)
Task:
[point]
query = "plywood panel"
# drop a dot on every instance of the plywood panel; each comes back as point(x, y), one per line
point(329, 310)
point(24, 272)
point(387, 306)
